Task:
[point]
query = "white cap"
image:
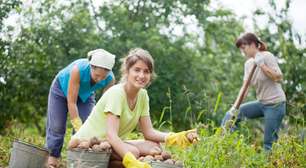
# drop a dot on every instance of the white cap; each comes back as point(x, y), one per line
point(101, 58)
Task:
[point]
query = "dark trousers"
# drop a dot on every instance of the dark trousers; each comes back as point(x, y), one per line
point(57, 117)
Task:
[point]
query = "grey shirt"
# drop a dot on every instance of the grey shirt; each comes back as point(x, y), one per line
point(267, 90)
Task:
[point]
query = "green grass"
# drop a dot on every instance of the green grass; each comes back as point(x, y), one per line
point(29, 134)
point(233, 150)
point(215, 149)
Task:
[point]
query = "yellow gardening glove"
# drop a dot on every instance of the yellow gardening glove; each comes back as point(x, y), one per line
point(129, 161)
point(76, 123)
point(180, 139)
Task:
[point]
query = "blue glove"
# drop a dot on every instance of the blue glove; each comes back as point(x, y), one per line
point(228, 117)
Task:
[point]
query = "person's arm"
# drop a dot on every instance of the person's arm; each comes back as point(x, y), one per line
point(129, 159)
point(73, 90)
point(271, 73)
point(149, 132)
point(181, 139)
point(272, 70)
point(112, 128)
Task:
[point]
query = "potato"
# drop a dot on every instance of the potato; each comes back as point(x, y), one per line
point(73, 143)
point(97, 148)
point(166, 155)
point(179, 163)
point(93, 141)
point(103, 146)
point(169, 161)
point(107, 144)
point(148, 158)
point(155, 151)
point(141, 158)
point(158, 157)
point(84, 145)
point(192, 137)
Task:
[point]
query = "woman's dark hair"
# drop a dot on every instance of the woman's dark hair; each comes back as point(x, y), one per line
point(250, 38)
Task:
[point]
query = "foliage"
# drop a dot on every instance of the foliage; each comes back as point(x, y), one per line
point(288, 152)
point(207, 67)
point(5, 8)
point(35, 56)
point(199, 70)
point(29, 134)
point(51, 38)
point(217, 149)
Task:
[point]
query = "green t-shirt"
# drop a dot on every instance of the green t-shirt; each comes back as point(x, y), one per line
point(114, 100)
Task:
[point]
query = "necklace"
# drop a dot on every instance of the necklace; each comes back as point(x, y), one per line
point(131, 101)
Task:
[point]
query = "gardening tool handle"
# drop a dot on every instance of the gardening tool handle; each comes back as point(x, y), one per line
point(245, 87)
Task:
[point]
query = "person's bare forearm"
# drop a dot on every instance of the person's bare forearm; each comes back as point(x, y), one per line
point(156, 136)
point(117, 144)
point(73, 110)
point(73, 90)
point(275, 76)
point(112, 137)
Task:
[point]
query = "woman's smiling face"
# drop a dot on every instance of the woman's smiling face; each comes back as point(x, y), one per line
point(139, 75)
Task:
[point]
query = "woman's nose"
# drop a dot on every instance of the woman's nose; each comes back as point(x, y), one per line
point(141, 74)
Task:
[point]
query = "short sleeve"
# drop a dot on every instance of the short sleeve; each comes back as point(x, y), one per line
point(271, 62)
point(146, 106)
point(111, 101)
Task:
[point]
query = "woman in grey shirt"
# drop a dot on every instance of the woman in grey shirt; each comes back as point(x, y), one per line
point(271, 99)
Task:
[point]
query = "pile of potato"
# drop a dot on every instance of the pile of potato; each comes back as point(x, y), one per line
point(163, 157)
point(94, 144)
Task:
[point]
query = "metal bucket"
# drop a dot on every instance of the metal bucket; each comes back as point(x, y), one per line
point(25, 155)
point(156, 164)
point(78, 158)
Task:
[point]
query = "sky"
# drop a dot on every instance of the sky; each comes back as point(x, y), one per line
point(297, 11)
point(297, 14)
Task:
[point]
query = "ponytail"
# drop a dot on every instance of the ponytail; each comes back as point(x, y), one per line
point(250, 38)
point(262, 46)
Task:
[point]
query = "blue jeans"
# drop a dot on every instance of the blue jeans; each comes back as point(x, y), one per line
point(57, 117)
point(273, 115)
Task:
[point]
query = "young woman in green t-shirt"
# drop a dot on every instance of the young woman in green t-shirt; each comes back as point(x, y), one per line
point(123, 107)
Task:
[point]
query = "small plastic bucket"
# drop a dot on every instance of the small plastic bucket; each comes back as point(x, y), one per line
point(78, 158)
point(25, 155)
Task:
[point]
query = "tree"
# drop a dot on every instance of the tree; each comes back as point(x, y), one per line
point(5, 9)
